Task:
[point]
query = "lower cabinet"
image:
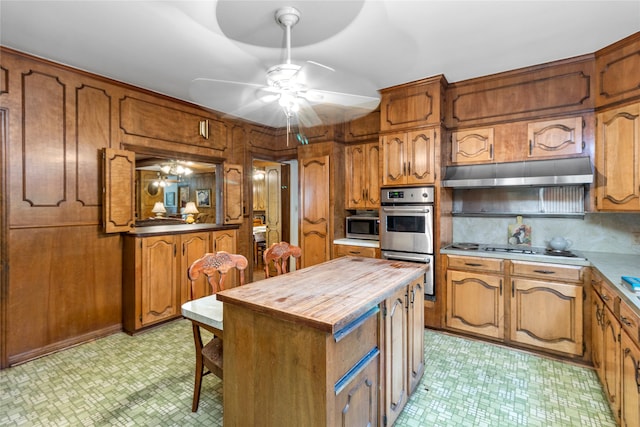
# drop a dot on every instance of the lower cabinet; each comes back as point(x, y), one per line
point(403, 338)
point(482, 294)
point(616, 351)
point(155, 280)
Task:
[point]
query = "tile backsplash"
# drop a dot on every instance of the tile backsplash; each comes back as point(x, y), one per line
point(597, 232)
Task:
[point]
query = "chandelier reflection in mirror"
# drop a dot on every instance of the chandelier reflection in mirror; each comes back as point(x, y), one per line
point(171, 169)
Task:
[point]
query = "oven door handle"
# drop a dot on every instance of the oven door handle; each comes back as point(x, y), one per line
point(424, 260)
point(406, 210)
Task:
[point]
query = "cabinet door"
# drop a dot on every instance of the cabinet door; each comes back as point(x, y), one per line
point(118, 203)
point(471, 146)
point(394, 161)
point(354, 177)
point(395, 350)
point(258, 183)
point(192, 247)
point(560, 137)
point(561, 327)
point(225, 240)
point(371, 175)
point(273, 188)
point(475, 303)
point(416, 334)
point(314, 210)
point(421, 149)
point(618, 159)
point(630, 382)
point(233, 209)
point(597, 328)
point(159, 295)
point(357, 403)
point(611, 361)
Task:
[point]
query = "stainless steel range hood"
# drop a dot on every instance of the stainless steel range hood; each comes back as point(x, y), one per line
point(571, 171)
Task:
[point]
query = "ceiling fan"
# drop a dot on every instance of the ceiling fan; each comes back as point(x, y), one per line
point(291, 91)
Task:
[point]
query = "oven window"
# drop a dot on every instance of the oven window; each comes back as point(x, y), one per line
point(406, 224)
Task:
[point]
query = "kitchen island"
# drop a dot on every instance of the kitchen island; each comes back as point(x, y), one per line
point(338, 343)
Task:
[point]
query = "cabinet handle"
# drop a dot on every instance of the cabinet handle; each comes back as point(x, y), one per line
point(513, 289)
point(544, 271)
point(530, 147)
point(354, 252)
point(204, 129)
point(625, 320)
point(404, 168)
point(409, 169)
point(605, 297)
point(598, 315)
point(500, 287)
point(473, 264)
point(491, 152)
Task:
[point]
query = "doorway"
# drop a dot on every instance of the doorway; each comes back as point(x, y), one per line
point(270, 208)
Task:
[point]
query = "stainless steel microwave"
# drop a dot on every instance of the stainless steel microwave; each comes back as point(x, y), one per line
point(363, 227)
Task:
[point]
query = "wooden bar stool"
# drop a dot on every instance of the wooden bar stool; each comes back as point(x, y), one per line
point(279, 254)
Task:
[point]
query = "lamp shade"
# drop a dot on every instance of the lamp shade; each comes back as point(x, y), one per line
point(158, 209)
point(190, 208)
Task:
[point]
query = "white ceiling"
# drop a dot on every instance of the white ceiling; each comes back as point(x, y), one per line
point(164, 45)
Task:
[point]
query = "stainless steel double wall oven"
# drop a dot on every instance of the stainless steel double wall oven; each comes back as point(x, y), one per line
point(406, 228)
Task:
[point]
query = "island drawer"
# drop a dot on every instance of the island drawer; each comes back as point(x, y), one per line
point(469, 263)
point(630, 322)
point(565, 273)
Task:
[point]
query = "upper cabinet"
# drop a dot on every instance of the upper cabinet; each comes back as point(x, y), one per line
point(618, 159)
point(618, 72)
point(410, 157)
point(523, 140)
point(362, 176)
point(413, 104)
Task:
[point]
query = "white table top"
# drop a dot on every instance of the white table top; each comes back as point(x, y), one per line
point(206, 310)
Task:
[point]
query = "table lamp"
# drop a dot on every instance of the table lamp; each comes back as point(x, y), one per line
point(159, 209)
point(189, 210)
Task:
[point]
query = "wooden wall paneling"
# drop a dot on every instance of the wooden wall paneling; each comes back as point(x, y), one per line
point(618, 72)
point(233, 194)
point(557, 88)
point(118, 204)
point(64, 288)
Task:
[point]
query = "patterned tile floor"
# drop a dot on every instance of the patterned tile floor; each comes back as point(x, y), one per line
point(147, 380)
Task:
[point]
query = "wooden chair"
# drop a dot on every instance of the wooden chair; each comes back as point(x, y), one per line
point(215, 267)
point(279, 254)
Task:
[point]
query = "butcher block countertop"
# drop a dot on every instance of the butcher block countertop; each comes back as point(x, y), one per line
point(327, 296)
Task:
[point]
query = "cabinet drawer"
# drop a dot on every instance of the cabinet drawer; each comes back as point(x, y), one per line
point(608, 295)
point(567, 273)
point(630, 322)
point(344, 250)
point(475, 263)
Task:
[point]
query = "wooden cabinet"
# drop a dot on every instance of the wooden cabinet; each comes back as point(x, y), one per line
point(155, 281)
point(558, 137)
point(403, 323)
point(258, 184)
point(629, 382)
point(321, 207)
point(409, 157)
point(362, 177)
point(562, 137)
point(365, 251)
point(481, 292)
point(472, 145)
point(232, 194)
point(412, 105)
point(555, 290)
point(192, 247)
point(475, 299)
point(150, 291)
point(618, 159)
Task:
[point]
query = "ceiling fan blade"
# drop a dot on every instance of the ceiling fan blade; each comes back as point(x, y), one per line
point(307, 117)
point(342, 99)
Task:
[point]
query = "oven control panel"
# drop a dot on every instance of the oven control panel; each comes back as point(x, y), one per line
point(407, 195)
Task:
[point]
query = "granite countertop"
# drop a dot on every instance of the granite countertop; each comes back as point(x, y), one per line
point(358, 242)
point(611, 265)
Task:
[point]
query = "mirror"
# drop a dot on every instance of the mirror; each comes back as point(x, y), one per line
point(174, 183)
